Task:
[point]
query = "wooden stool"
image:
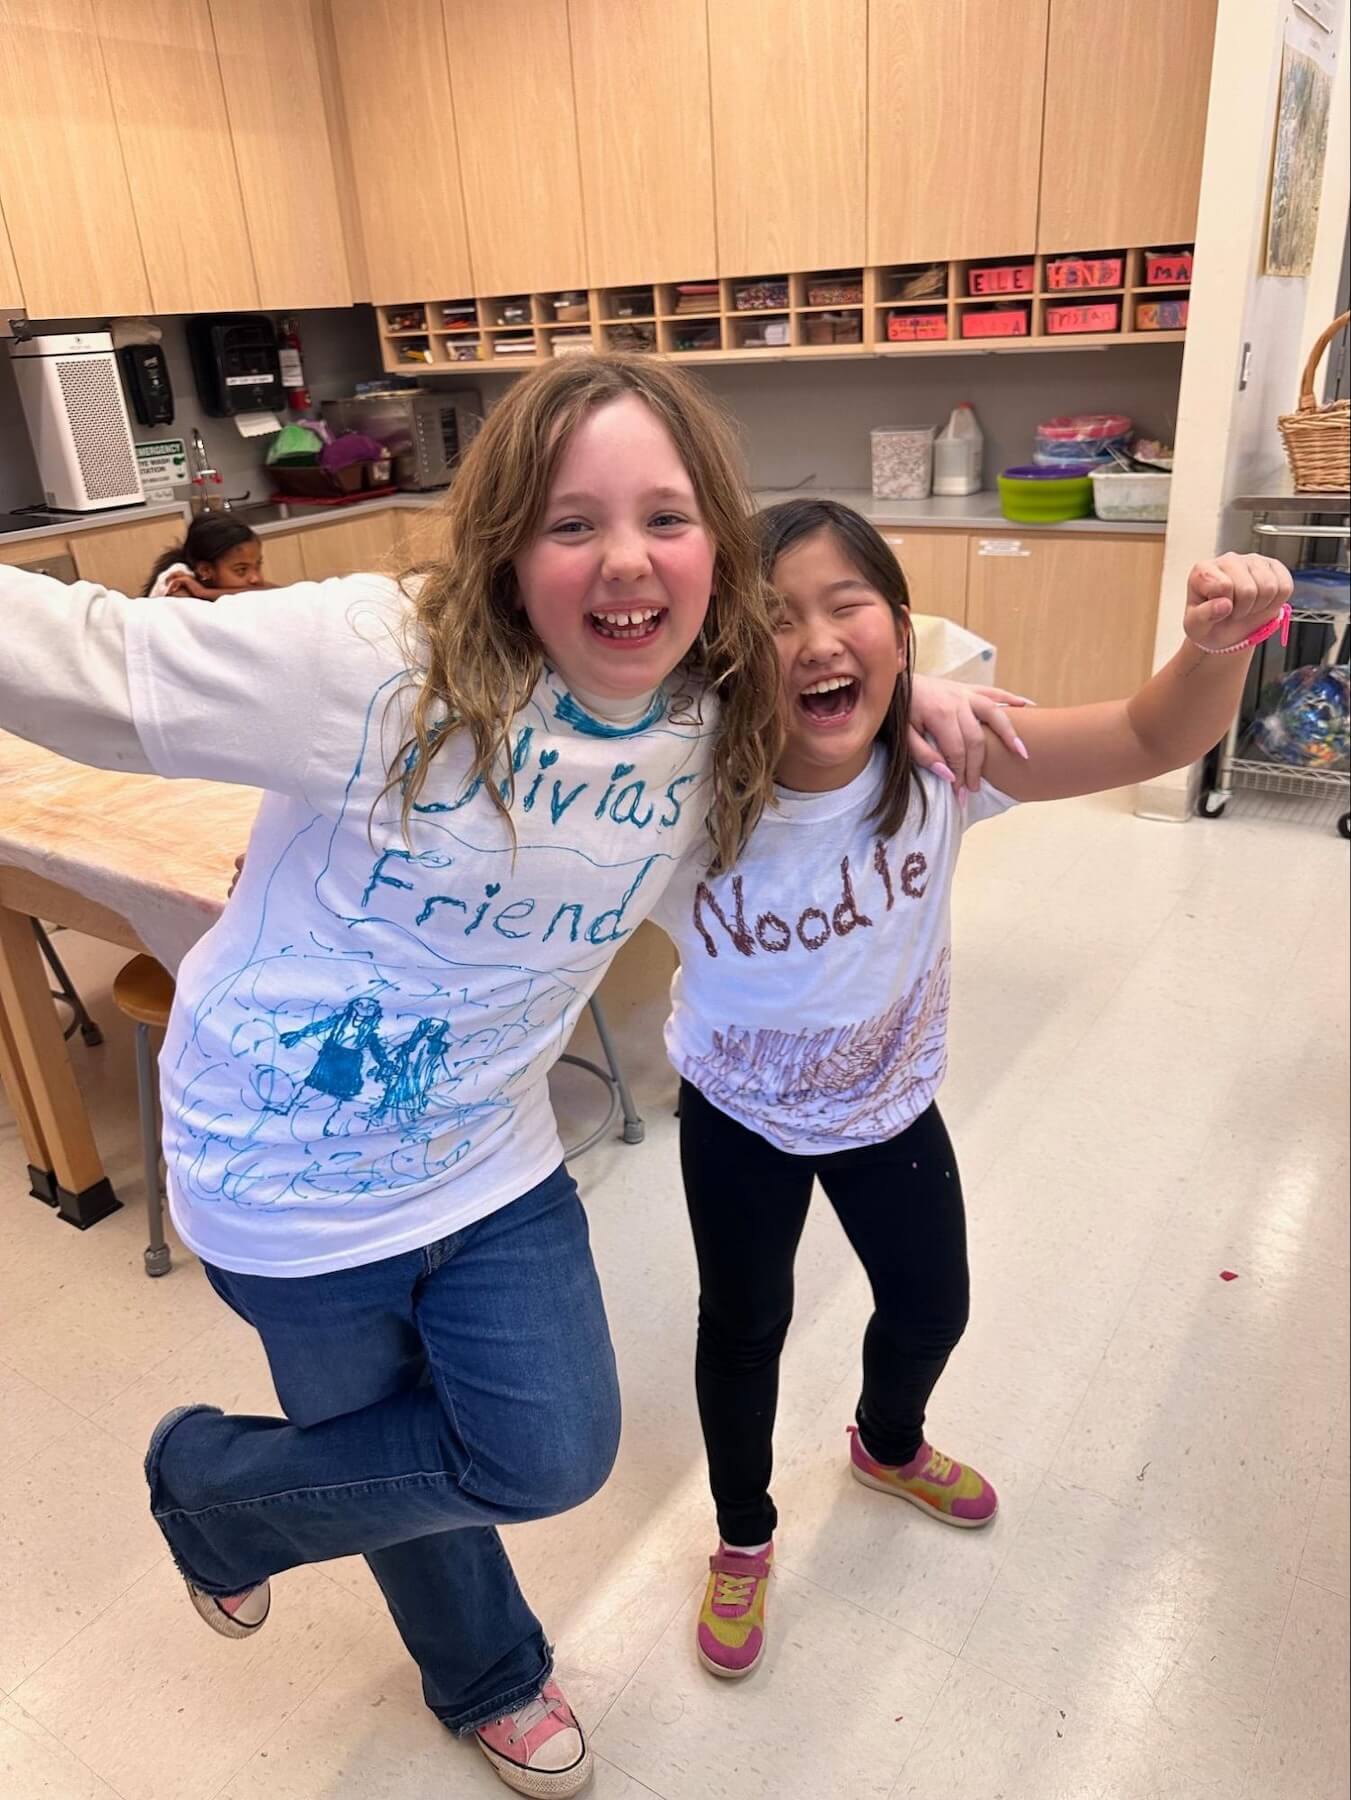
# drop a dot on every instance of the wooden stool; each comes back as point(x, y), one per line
point(144, 991)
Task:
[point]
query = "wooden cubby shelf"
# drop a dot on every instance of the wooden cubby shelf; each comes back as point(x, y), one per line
point(565, 320)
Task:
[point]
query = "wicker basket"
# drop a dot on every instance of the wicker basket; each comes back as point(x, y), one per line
point(1318, 438)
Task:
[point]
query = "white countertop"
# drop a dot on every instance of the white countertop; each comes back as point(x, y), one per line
point(970, 512)
point(967, 512)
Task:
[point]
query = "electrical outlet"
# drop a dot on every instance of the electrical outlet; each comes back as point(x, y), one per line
point(1245, 367)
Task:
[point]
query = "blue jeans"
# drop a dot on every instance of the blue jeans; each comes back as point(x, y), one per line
point(429, 1398)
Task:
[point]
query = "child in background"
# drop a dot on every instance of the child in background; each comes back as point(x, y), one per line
point(810, 1012)
point(219, 555)
point(477, 784)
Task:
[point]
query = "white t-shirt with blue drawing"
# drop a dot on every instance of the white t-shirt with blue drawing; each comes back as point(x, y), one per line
point(811, 1001)
point(356, 1060)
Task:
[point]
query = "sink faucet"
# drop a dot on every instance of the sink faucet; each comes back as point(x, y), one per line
point(204, 477)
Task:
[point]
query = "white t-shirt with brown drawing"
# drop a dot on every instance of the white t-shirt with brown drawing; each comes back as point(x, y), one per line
point(811, 1002)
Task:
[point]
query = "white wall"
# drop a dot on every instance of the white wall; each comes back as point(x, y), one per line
point(809, 422)
point(1227, 439)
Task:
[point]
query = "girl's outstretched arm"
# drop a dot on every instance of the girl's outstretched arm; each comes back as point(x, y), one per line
point(1175, 718)
point(171, 687)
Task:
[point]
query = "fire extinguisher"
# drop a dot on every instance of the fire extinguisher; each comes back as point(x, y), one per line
point(292, 371)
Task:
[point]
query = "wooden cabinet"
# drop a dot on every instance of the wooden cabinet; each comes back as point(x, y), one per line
point(1126, 94)
point(282, 559)
point(789, 96)
point(269, 69)
point(954, 127)
point(934, 563)
point(511, 75)
point(644, 137)
point(1072, 619)
point(63, 185)
point(406, 166)
point(348, 547)
point(178, 155)
point(122, 556)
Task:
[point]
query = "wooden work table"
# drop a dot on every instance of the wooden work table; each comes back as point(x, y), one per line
point(131, 859)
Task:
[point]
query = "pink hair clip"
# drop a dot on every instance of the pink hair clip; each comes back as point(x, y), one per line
point(1281, 623)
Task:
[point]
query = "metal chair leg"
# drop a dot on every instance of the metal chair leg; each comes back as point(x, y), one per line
point(634, 1128)
point(157, 1256)
point(66, 991)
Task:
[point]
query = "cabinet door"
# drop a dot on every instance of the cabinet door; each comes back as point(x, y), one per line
point(11, 293)
point(511, 74)
point(122, 556)
point(396, 93)
point(1126, 94)
point(1072, 620)
point(178, 155)
point(934, 563)
point(33, 551)
point(282, 559)
point(269, 66)
point(348, 547)
point(644, 136)
point(941, 182)
point(789, 86)
point(62, 182)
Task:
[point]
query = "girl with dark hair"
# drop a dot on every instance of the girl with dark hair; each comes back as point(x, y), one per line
point(809, 1015)
point(219, 555)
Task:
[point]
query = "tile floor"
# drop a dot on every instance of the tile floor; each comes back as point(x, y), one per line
point(1149, 1085)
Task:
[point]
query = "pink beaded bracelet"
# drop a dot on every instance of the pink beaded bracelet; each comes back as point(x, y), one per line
point(1280, 623)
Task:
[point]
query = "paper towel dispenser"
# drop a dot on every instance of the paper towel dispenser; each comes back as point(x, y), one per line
point(235, 364)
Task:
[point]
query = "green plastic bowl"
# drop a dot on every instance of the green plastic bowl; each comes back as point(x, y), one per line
point(1035, 496)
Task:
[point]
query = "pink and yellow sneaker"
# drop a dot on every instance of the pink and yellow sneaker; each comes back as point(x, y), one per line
point(731, 1634)
point(946, 1489)
point(539, 1749)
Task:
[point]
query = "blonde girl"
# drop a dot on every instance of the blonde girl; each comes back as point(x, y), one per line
point(477, 782)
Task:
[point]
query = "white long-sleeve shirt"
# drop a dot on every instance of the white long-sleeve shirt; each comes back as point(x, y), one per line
point(355, 1065)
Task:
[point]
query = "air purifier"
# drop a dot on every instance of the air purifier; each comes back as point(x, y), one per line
point(77, 420)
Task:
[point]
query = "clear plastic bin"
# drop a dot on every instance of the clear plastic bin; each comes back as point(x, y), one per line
point(1123, 494)
point(903, 463)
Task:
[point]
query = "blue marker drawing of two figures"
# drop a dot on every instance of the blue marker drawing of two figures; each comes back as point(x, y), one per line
point(350, 1047)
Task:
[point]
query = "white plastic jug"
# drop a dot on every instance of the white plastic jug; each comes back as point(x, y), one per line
point(958, 450)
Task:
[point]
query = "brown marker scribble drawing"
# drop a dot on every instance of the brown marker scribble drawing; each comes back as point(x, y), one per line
point(836, 1079)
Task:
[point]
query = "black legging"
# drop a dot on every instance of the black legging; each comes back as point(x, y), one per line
point(900, 1204)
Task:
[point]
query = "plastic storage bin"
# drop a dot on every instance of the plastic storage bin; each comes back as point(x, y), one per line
point(1161, 315)
point(920, 325)
point(1004, 321)
point(903, 463)
point(1128, 494)
point(1032, 496)
point(1167, 268)
point(1076, 272)
point(1080, 438)
point(1001, 278)
point(1065, 318)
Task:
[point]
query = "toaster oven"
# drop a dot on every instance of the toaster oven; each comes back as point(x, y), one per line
point(427, 433)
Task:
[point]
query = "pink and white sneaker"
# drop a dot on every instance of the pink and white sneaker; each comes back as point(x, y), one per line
point(945, 1489)
point(237, 1617)
point(731, 1631)
point(539, 1749)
